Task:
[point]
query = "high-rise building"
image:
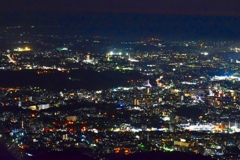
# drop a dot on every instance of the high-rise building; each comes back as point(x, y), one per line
point(136, 102)
point(88, 57)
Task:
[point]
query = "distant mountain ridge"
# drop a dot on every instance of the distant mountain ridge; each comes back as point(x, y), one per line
point(135, 24)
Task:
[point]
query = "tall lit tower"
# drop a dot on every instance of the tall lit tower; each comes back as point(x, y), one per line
point(22, 124)
point(88, 57)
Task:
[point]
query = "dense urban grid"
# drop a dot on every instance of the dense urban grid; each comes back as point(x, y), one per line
point(108, 97)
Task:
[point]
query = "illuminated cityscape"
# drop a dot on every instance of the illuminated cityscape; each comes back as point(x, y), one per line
point(120, 80)
point(122, 101)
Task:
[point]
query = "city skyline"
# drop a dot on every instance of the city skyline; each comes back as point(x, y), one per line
point(91, 79)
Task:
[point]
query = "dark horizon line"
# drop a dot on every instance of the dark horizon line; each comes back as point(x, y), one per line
point(132, 24)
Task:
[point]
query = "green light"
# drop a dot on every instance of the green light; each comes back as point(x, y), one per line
point(141, 145)
point(168, 149)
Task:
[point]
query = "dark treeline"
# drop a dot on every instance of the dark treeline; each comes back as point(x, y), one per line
point(77, 79)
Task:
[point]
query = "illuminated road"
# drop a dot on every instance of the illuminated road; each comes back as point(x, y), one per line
point(11, 60)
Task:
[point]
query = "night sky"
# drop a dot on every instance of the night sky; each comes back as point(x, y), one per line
point(166, 7)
